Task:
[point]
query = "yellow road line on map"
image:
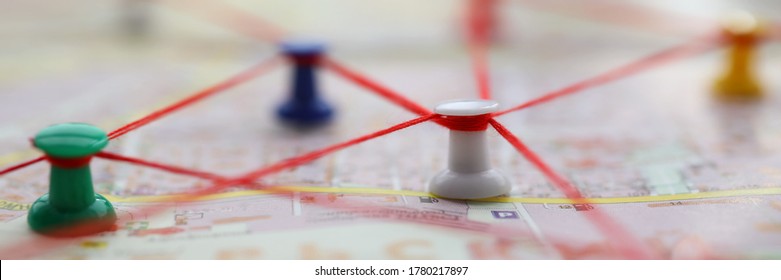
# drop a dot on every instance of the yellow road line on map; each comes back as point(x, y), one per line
point(530, 200)
point(15, 206)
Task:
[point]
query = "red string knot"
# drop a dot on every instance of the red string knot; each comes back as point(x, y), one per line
point(305, 59)
point(465, 123)
point(69, 162)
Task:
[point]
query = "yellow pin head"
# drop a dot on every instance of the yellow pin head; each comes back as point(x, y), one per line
point(739, 25)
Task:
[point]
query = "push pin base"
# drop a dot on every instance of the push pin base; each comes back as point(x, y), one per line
point(489, 183)
point(310, 114)
point(743, 89)
point(48, 220)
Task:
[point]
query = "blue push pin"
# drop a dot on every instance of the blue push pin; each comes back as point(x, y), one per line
point(305, 108)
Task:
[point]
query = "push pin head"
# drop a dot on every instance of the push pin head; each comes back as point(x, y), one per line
point(71, 208)
point(304, 106)
point(469, 174)
point(302, 47)
point(70, 140)
point(741, 24)
point(466, 107)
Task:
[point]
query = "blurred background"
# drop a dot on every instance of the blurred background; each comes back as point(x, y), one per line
point(109, 62)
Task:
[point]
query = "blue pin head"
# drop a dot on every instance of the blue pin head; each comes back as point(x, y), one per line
point(300, 47)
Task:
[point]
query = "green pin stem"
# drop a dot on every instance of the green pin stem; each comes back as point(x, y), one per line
point(70, 189)
point(71, 208)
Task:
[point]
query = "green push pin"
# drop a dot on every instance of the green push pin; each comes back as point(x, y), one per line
point(71, 208)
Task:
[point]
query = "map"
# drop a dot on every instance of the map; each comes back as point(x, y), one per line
point(660, 161)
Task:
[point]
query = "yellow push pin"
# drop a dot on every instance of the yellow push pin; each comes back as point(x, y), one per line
point(743, 31)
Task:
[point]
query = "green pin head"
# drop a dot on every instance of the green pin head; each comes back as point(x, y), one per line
point(71, 208)
point(71, 140)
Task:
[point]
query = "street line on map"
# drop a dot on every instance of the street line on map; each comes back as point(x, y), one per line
point(537, 231)
point(296, 204)
point(407, 193)
point(524, 200)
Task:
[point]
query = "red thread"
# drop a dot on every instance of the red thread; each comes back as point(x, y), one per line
point(481, 26)
point(481, 21)
point(21, 165)
point(69, 162)
point(388, 94)
point(161, 166)
point(564, 185)
point(242, 77)
point(622, 240)
point(38, 245)
point(465, 123)
point(479, 51)
point(667, 55)
point(26, 247)
point(294, 161)
point(150, 210)
point(308, 157)
point(233, 81)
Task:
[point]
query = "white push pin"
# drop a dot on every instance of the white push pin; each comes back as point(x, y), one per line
point(469, 174)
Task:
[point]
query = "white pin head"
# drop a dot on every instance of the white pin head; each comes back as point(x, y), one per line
point(466, 107)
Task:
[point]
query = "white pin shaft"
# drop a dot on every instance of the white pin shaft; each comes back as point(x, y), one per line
point(468, 151)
